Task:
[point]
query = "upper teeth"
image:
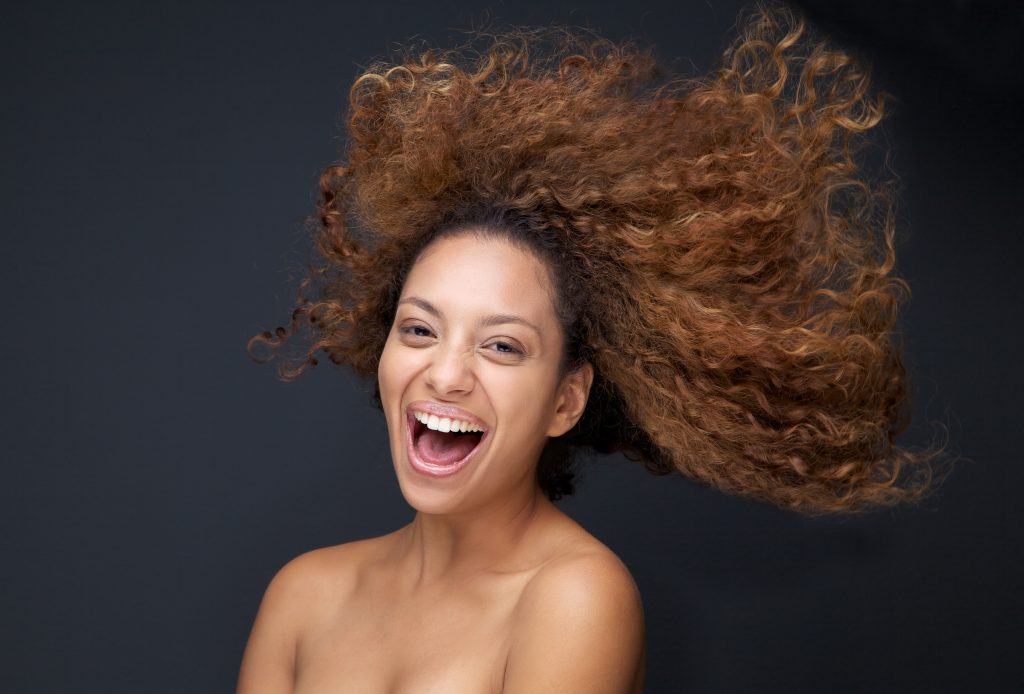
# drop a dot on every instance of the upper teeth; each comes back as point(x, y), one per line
point(444, 423)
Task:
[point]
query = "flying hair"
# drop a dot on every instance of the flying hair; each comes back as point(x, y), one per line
point(723, 258)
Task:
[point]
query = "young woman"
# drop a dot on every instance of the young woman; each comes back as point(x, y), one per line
point(541, 252)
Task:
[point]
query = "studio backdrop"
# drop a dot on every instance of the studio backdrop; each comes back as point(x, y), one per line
point(160, 161)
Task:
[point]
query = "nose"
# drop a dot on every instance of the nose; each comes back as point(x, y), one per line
point(449, 372)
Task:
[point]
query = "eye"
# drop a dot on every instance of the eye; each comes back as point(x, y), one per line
point(415, 331)
point(505, 348)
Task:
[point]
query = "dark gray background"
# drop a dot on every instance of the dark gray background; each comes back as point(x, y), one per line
point(157, 162)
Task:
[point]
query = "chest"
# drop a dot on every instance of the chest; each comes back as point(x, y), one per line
point(372, 642)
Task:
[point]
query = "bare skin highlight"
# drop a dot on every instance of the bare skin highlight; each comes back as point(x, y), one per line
point(720, 255)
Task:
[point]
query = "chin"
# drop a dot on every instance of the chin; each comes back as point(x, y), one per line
point(430, 498)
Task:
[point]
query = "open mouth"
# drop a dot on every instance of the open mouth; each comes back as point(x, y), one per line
point(441, 452)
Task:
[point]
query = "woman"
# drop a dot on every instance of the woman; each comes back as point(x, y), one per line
point(573, 252)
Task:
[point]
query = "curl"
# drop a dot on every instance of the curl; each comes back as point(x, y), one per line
point(737, 262)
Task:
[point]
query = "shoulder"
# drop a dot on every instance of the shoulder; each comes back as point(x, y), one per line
point(312, 574)
point(328, 571)
point(579, 627)
point(291, 602)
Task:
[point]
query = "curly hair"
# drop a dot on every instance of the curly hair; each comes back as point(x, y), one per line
point(720, 255)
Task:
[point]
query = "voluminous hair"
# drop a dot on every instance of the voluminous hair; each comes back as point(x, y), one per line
point(723, 259)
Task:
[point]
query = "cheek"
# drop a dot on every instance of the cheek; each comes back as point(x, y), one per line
point(528, 396)
point(388, 372)
point(398, 366)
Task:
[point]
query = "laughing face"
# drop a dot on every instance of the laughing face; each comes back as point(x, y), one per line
point(469, 376)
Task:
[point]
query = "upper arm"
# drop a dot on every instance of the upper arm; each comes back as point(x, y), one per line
point(580, 628)
point(268, 665)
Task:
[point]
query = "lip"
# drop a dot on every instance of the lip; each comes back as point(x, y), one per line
point(441, 411)
point(449, 411)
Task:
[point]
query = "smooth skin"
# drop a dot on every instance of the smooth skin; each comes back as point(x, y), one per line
point(491, 588)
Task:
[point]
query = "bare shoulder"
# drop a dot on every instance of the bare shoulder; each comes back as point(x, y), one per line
point(327, 572)
point(591, 581)
point(579, 627)
point(292, 601)
point(313, 574)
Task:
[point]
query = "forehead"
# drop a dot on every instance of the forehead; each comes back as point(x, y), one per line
point(488, 273)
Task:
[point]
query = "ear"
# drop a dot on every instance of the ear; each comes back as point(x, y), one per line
point(572, 399)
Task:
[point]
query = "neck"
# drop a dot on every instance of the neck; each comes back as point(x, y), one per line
point(436, 548)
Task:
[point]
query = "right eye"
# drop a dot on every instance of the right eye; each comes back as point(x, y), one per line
point(415, 331)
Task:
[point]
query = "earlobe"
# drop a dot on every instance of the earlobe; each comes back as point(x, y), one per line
point(572, 399)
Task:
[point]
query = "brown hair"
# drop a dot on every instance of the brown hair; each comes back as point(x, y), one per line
point(719, 254)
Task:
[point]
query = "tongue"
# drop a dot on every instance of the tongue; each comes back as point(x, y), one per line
point(439, 448)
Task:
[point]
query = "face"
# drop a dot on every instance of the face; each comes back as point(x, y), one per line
point(476, 342)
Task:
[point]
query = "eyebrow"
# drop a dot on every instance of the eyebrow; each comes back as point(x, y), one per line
point(489, 321)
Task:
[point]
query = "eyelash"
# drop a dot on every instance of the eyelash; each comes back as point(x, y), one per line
point(408, 330)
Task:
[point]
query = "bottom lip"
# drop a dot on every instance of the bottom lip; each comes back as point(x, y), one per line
point(429, 468)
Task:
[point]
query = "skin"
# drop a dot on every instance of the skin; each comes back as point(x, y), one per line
point(490, 588)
